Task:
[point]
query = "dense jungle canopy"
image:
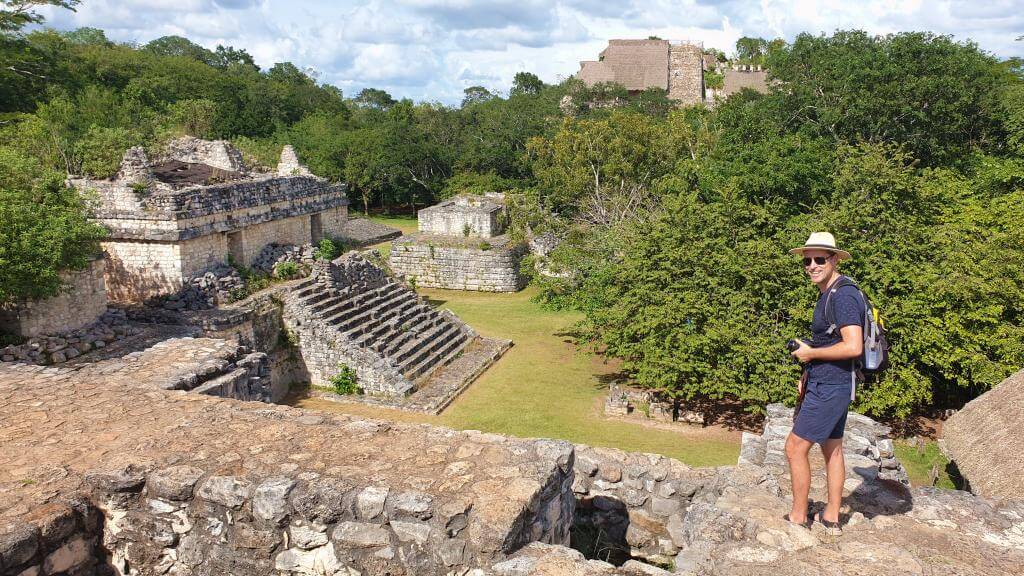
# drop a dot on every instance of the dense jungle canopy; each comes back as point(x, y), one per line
point(676, 221)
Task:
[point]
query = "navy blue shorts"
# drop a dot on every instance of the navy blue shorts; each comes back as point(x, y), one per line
point(823, 413)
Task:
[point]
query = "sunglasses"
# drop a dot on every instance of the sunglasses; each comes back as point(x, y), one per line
point(819, 260)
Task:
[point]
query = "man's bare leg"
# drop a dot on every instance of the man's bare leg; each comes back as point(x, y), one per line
point(800, 473)
point(835, 468)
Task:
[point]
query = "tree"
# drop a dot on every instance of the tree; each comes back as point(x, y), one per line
point(86, 36)
point(751, 50)
point(227, 56)
point(16, 14)
point(375, 98)
point(938, 97)
point(181, 47)
point(44, 229)
point(526, 83)
point(476, 95)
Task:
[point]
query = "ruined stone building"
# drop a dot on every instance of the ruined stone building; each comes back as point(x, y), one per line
point(199, 205)
point(676, 67)
point(461, 245)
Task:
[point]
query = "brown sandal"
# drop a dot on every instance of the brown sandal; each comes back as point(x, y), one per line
point(831, 528)
point(806, 523)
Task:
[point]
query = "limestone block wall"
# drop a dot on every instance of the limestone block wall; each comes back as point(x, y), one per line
point(334, 221)
point(867, 448)
point(294, 230)
point(80, 303)
point(140, 270)
point(202, 253)
point(686, 73)
point(639, 501)
point(453, 222)
point(458, 267)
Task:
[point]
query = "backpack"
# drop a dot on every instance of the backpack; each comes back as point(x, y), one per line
point(875, 358)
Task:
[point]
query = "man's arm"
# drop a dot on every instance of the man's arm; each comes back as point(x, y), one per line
point(851, 347)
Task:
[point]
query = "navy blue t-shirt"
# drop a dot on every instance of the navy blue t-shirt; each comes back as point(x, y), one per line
point(848, 310)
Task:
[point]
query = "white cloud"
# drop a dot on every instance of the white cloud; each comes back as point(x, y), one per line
point(432, 49)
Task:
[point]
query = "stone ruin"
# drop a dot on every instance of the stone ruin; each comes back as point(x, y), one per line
point(674, 66)
point(351, 313)
point(196, 207)
point(461, 245)
point(114, 467)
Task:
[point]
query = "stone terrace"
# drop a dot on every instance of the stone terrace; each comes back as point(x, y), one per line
point(202, 485)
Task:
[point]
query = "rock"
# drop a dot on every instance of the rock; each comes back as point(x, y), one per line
point(125, 479)
point(451, 551)
point(307, 538)
point(417, 532)
point(360, 535)
point(175, 483)
point(18, 544)
point(226, 491)
point(317, 562)
point(270, 500)
point(415, 504)
point(370, 501)
point(322, 500)
point(664, 506)
point(635, 568)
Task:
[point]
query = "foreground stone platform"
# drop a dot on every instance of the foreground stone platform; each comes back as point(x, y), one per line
point(105, 470)
point(203, 485)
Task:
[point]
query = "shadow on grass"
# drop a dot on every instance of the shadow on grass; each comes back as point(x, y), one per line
point(435, 302)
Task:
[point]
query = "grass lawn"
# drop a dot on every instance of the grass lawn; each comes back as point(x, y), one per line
point(544, 387)
point(919, 463)
point(407, 224)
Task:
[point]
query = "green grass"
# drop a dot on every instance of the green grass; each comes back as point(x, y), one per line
point(407, 224)
point(919, 463)
point(545, 387)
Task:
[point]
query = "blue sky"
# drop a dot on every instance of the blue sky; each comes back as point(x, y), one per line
point(433, 49)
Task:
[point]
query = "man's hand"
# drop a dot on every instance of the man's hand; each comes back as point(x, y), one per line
point(803, 352)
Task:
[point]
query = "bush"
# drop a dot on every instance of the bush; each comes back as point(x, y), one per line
point(45, 228)
point(345, 382)
point(286, 270)
point(327, 249)
point(102, 149)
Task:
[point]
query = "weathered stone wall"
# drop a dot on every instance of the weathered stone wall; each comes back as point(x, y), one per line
point(438, 262)
point(334, 222)
point(198, 485)
point(217, 153)
point(255, 238)
point(140, 270)
point(81, 302)
point(686, 73)
point(867, 448)
point(200, 254)
point(464, 216)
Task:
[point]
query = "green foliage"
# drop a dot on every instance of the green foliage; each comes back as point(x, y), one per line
point(327, 249)
point(194, 117)
point(287, 270)
point(474, 183)
point(102, 150)
point(44, 229)
point(345, 381)
point(751, 50)
point(714, 80)
point(16, 14)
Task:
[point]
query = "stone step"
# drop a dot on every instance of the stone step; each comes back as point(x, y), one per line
point(358, 311)
point(357, 303)
point(421, 341)
point(421, 319)
point(410, 314)
point(420, 362)
point(440, 356)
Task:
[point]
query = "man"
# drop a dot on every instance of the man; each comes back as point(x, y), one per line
point(828, 382)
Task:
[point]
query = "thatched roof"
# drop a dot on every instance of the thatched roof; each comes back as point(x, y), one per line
point(636, 64)
point(986, 440)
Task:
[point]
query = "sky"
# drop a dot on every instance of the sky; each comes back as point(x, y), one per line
point(433, 49)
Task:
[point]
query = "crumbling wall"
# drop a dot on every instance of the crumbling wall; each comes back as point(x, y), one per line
point(437, 262)
point(867, 448)
point(136, 271)
point(686, 73)
point(82, 300)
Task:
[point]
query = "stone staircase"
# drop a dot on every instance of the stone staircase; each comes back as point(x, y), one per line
point(350, 312)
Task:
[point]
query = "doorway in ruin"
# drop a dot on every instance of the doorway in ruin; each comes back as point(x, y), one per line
point(316, 229)
point(236, 251)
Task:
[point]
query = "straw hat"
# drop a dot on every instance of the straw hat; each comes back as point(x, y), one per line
point(822, 241)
